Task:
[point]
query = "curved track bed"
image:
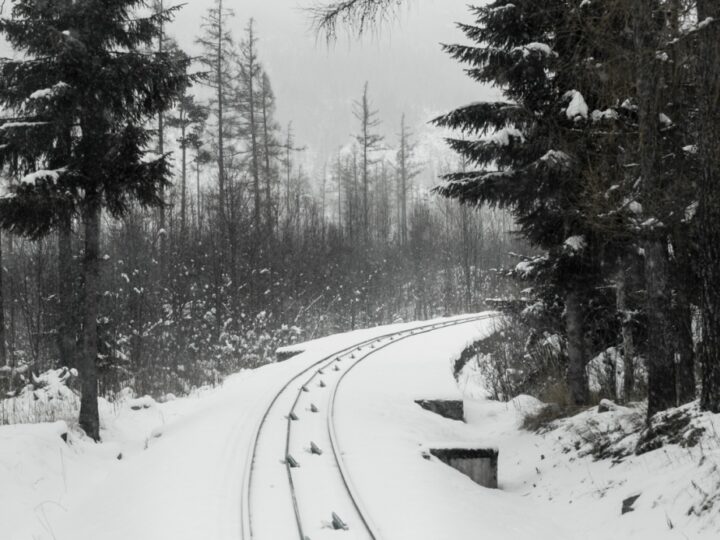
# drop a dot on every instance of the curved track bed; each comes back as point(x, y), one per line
point(296, 483)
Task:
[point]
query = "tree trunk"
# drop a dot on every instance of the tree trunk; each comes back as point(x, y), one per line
point(684, 348)
point(660, 358)
point(623, 308)
point(682, 271)
point(183, 187)
point(577, 379)
point(660, 350)
point(161, 150)
point(198, 216)
point(270, 224)
point(11, 300)
point(89, 418)
point(3, 349)
point(709, 201)
point(220, 112)
point(65, 318)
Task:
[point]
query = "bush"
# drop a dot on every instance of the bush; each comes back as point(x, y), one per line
point(515, 360)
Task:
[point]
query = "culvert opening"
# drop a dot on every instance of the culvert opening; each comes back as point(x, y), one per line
point(480, 464)
point(452, 409)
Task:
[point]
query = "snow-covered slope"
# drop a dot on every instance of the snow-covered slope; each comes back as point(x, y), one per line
point(164, 471)
point(173, 470)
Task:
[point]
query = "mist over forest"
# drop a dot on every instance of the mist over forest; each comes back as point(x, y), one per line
point(408, 269)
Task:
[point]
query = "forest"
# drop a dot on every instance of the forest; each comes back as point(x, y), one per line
point(221, 245)
point(162, 228)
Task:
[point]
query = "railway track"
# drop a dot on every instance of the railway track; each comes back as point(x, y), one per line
point(318, 471)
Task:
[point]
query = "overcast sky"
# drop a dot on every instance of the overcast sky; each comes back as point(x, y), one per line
point(316, 84)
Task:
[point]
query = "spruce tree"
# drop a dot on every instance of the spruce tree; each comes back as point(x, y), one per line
point(271, 147)
point(535, 152)
point(80, 97)
point(188, 117)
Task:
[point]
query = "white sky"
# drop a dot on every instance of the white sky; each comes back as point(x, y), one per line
point(316, 84)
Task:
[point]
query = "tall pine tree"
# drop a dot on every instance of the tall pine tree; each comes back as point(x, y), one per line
point(80, 97)
point(535, 153)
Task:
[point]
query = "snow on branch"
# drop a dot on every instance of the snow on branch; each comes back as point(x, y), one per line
point(535, 47)
point(48, 93)
point(577, 108)
point(51, 175)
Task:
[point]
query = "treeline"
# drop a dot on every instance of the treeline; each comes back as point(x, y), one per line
point(607, 150)
point(161, 230)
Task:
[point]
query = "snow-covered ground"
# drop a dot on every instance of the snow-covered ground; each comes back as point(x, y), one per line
point(170, 470)
point(174, 470)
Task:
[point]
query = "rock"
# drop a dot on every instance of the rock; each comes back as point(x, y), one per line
point(606, 406)
point(627, 504)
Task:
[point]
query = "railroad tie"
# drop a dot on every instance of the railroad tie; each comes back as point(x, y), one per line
point(337, 523)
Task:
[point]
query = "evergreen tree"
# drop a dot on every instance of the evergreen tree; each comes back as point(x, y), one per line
point(81, 96)
point(188, 117)
point(271, 147)
point(540, 150)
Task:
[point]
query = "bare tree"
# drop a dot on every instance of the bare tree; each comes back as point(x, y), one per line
point(369, 142)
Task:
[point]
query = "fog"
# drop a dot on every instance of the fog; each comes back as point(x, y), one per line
point(316, 83)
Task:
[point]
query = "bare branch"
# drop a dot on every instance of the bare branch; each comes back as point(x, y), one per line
point(358, 16)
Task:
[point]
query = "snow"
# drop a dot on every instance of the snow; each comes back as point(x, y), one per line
point(635, 207)
point(706, 22)
point(437, 502)
point(608, 114)
point(665, 120)
point(542, 48)
point(173, 469)
point(182, 485)
point(577, 107)
point(504, 136)
point(524, 269)
point(15, 125)
point(47, 93)
point(51, 175)
point(556, 157)
point(576, 243)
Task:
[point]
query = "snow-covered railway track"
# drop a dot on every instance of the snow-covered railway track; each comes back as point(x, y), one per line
point(307, 468)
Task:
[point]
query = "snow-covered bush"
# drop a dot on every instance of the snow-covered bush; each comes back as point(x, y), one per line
point(515, 361)
point(47, 397)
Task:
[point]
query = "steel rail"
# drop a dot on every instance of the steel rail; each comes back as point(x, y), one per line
point(372, 529)
point(314, 368)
